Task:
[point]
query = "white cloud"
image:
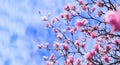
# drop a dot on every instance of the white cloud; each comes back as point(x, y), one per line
point(15, 17)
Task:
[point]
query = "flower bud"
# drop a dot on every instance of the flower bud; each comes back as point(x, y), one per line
point(71, 59)
point(73, 8)
point(106, 58)
point(65, 47)
point(99, 4)
point(80, 2)
point(93, 35)
point(96, 47)
point(47, 24)
point(56, 45)
point(45, 58)
point(44, 18)
point(77, 43)
point(67, 16)
point(40, 46)
point(48, 63)
point(108, 48)
point(78, 62)
point(52, 57)
point(67, 7)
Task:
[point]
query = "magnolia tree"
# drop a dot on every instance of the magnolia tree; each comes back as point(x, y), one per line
point(87, 33)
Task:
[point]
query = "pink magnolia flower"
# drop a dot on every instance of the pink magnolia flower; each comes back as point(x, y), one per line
point(93, 35)
point(116, 42)
point(99, 4)
point(71, 31)
point(40, 46)
point(89, 55)
point(53, 20)
point(84, 7)
point(102, 51)
point(73, 8)
point(93, 8)
point(48, 63)
point(78, 62)
point(68, 62)
point(66, 16)
point(52, 57)
point(65, 47)
point(106, 58)
point(82, 29)
point(96, 47)
point(47, 24)
point(99, 13)
point(68, 28)
point(75, 29)
point(108, 47)
point(55, 30)
point(67, 7)
point(62, 15)
point(59, 36)
point(71, 59)
point(80, 2)
point(56, 45)
point(45, 57)
point(83, 45)
point(112, 18)
point(80, 23)
point(44, 18)
point(92, 53)
point(77, 43)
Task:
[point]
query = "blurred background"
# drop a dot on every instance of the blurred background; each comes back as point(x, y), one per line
point(20, 25)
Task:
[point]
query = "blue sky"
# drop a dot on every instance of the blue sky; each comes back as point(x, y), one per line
point(20, 24)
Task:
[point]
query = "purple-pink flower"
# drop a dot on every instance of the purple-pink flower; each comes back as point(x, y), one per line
point(113, 18)
point(106, 58)
point(80, 22)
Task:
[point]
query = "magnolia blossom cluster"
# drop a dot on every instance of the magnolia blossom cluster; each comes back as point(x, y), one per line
point(71, 60)
point(90, 55)
point(70, 7)
point(79, 45)
point(74, 34)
